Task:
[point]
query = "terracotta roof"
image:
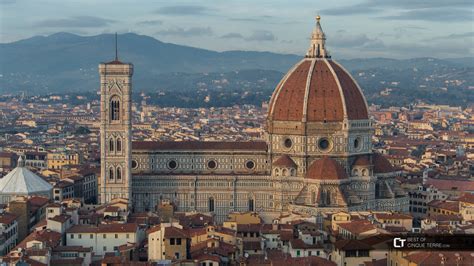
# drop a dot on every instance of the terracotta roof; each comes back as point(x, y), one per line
point(285, 161)
point(362, 160)
point(445, 217)
point(381, 164)
point(277, 258)
point(467, 198)
point(50, 238)
point(326, 169)
point(60, 218)
point(387, 216)
point(7, 218)
point(324, 99)
point(174, 232)
point(200, 145)
point(68, 262)
point(446, 205)
point(38, 201)
point(104, 228)
point(435, 258)
point(357, 226)
point(351, 244)
point(252, 245)
point(451, 184)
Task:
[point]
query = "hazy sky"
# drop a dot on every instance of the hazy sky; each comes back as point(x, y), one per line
point(354, 28)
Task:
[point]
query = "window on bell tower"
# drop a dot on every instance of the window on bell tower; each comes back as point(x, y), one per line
point(111, 145)
point(119, 173)
point(111, 173)
point(119, 144)
point(114, 109)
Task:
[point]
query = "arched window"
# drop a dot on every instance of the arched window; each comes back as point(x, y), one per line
point(111, 145)
point(114, 109)
point(328, 197)
point(365, 172)
point(210, 204)
point(119, 174)
point(251, 205)
point(285, 172)
point(119, 144)
point(313, 197)
point(111, 173)
point(293, 172)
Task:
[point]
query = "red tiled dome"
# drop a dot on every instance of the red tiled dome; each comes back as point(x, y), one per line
point(285, 161)
point(381, 164)
point(317, 90)
point(326, 169)
point(362, 161)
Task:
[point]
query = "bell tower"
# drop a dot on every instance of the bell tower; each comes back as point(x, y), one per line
point(115, 129)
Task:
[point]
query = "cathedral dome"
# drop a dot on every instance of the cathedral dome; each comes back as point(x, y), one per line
point(317, 89)
point(326, 169)
point(285, 161)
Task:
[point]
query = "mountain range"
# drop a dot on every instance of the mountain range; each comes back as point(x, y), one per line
point(65, 62)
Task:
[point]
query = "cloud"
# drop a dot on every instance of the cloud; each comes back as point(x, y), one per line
point(232, 35)
point(350, 10)
point(261, 35)
point(434, 14)
point(181, 32)
point(184, 10)
point(456, 36)
point(344, 39)
point(429, 10)
point(150, 22)
point(245, 19)
point(75, 22)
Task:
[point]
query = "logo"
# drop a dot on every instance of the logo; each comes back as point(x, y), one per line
point(398, 242)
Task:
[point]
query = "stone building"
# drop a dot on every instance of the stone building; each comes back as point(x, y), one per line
point(317, 153)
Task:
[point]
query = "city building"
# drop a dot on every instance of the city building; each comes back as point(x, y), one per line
point(317, 155)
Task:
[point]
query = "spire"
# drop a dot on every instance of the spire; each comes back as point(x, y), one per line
point(116, 50)
point(317, 46)
point(21, 162)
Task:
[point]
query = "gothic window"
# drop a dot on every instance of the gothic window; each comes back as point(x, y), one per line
point(313, 197)
point(111, 145)
point(251, 205)
point(119, 173)
point(210, 204)
point(328, 197)
point(119, 144)
point(364, 172)
point(285, 172)
point(114, 109)
point(111, 173)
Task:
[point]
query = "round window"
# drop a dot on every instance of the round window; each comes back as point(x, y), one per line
point(172, 164)
point(250, 164)
point(212, 164)
point(134, 164)
point(288, 143)
point(324, 144)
